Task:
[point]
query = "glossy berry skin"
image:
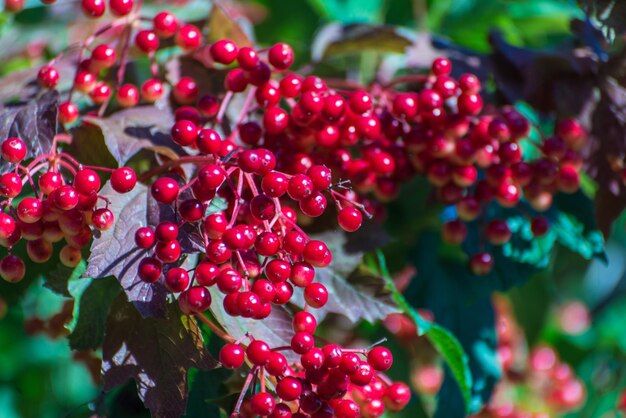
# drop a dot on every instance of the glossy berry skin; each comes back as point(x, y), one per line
point(164, 190)
point(349, 218)
point(152, 90)
point(65, 197)
point(198, 298)
point(48, 77)
point(304, 322)
point(103, 56)
point(121, 7)
point(224, 51)
point(177, 279)
point(147, 41)
point(149, 270)
point(258, 352)
point(380, 358)
point(397, 396)
point(29, 210)
point(7, 226)
point(145, 237)
point(127, 95)
point(93, 8)
point(123, 180)
point(86, 181)
point(347, 408)
point(289, 389)
point(232, 356)
point(262, 403)
point(102, 219)
point(280, 56)
point(165, 24)
point(316, 295)
point(188, 37)
point(185, 91)
point(68, 112)
point(13, 150)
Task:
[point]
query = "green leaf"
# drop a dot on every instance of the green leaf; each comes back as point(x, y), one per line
point(58, 280)
point(335, 39)
point(93, 298)
point(350, 11)
point(444, 342)
point(218, 204)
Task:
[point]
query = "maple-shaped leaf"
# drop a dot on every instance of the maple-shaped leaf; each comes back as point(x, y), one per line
point(156, 353)
point(114, 253)
point(144, 127)
point(34, 122)
point(356, 293)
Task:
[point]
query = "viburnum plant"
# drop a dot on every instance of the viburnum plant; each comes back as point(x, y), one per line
point(227, 224)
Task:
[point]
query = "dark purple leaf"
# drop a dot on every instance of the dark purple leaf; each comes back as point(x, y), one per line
point(276, 330)
point(114, 253)
point(189, 236)
point(156, 353)
point(34, 122)
point(129, 131)
point(354, 292)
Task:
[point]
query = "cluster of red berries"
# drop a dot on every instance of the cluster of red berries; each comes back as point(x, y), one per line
point(53, 208)
point(539, 379)
point(90, 77)
point(326, 382)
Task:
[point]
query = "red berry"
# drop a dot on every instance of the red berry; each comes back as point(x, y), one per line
point(300, 186)
point(165, 24)
point(127, 95)
point(232, 356)
point(289, 389)
point(380, 358)
point(68, 112)
point(277, 270)
point(211, 176)
point(102, 219)
point(13, 150)
point(206, 274)
point(317, 253)
point(29, 210)
point(441, 66)
point(481, 263)
point(101, 93)
point(65, 197)
point(123, 180)
point(93, 8)
point(12, 268)
point(302, 342)
point(164, 190)
point(185, 91)
point(177, 279)
point(48, 77)
point(314, 205)
point(349, 218)
point(275, 120)
point(304, 322)
point(316, 295)
point(188, 37)
point(151, 90)
point(145, 237)
point(121, 7)
point(103, 57)
point(498, 232)
point(208, 141)
point(168, 251)
point(360, 102)
point(149, 270)
point(262, 403)
point(397, 396)
point(198, 298)
point(274, 184)
point(347, 408)
point(258, 352)
point(539, 226)
point(7, 226)
point(86, 181)
point(280, 56)
point(224, 51)
point(166, 231)
point(184, 132)
point(147, 41)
